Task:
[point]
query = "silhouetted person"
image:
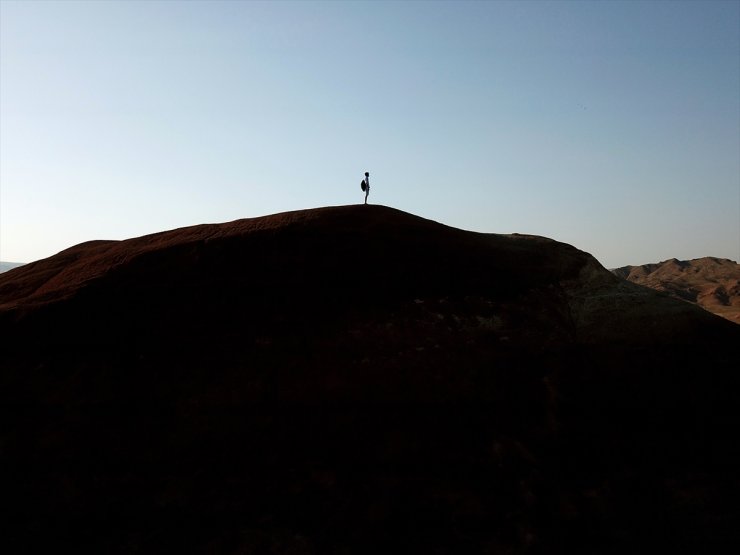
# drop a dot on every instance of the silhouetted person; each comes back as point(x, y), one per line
point(366, 185)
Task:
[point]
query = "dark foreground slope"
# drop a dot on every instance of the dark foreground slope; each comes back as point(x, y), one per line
point(359, 380)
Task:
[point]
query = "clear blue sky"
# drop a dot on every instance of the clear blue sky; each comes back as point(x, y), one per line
point(613, 126)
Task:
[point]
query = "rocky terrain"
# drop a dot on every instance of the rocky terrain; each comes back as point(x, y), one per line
point(359, 380)
point(711, 283)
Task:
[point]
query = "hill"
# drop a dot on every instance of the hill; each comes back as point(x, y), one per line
point(711, 283)
point(359, 380)
point(5, 266)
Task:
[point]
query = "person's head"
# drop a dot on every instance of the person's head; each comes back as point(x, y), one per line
point(367, 174)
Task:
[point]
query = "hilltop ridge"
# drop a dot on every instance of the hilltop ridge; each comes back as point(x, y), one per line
point(338, 226)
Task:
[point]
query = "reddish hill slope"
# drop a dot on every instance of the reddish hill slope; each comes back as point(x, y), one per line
point(359, 380)
point(711, 283)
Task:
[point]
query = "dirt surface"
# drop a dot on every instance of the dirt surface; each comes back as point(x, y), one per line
point(359, 380)
point(711, 283)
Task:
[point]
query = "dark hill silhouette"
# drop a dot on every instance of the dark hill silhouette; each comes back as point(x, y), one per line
point(709, 282)
point(359, 380)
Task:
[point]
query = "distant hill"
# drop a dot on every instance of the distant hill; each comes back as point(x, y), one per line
point(359, 380)
point(5, 266)
point(711, 283)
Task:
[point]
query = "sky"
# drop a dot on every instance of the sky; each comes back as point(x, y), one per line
point(612, 126)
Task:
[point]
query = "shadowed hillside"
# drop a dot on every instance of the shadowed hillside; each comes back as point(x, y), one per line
point(711, 283)
point(360, 380)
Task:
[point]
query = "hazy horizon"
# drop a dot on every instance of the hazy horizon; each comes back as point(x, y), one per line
point(612, 126)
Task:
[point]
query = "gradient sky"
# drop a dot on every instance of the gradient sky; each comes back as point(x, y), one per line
point(613, 126)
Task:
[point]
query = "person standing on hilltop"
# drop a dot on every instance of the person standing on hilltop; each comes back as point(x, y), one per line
point(365, 185)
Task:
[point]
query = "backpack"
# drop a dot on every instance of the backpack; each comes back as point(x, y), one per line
point(363, 185)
